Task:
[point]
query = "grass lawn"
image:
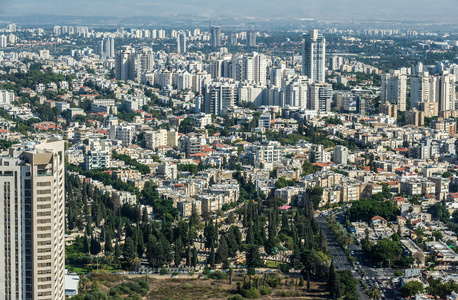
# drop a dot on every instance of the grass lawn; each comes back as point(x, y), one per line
point(273, 264)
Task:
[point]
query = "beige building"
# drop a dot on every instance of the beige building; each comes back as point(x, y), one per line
point(391, 110)
point(162, 137)
point(415, 117)
point(32, 227)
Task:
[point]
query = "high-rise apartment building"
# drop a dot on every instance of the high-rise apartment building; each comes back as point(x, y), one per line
point(219, 97)
point(251, 39)
point(320, 96)
point(32, 221)
point(446, 92)
point(438, 89)
point(394, 89)
point(110, 47)
point(144, 62)
point(233, 39)
point(296, 92)
point(423, 88)
point(181, 43)
point(215, 38)
point(313, 55)
point(125, 64)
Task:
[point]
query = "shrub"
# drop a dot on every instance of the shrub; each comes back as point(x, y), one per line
point(206, 271)
point(284, 268)
point(175, 274)
point(265, 291)
point(163, 271)
point(191, 273)
point(218, 275)
point(273, 281)
point(144, 285)
point(236, 297)
point(187, 285)
point(250, 293)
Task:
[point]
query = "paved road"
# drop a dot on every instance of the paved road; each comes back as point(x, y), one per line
point(341, 260)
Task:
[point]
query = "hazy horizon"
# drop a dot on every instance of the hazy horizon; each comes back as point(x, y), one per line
point(393, 10)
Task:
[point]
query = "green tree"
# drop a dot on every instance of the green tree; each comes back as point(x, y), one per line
point(333, 282)
point(439, 212)
point(412, 288)
point(253, 257)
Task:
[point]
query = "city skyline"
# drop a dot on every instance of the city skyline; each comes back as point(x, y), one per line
point(325, 10)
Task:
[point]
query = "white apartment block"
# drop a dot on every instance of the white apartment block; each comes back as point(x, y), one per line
point(32, 222)
point(394, 89)
point(123, 133)
point(6, 97)
point(269, 153)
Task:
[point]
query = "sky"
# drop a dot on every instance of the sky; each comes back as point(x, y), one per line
point(393, 10)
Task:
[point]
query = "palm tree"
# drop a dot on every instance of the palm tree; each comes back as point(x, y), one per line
point(257, 281)
point(231, 272)
point(375, 293)
point(136, 262)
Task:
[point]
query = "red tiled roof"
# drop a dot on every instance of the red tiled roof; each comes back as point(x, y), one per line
point(319, 164)
point(378, 217)
point(368, 169)
point(198, 155)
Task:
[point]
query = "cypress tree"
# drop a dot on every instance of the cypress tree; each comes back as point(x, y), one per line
point(211, 258)
point(333, 282)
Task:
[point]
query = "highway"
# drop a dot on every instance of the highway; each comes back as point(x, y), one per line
point(341, 260)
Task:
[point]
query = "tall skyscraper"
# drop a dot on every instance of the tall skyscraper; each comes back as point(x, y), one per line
point(125, 63)
point(215, 39)
point(110, 47)
point(313, 55)
point(181, 42)
point(446, 91)
point(32, 215)
point(394, 89)
point(251, 39)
